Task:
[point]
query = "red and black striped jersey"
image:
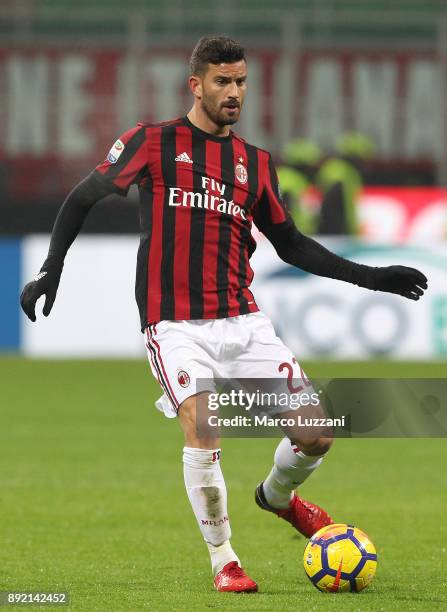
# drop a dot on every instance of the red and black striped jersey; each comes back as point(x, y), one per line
point(199, 195)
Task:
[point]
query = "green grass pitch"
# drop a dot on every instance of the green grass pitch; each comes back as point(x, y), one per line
point(92, 500)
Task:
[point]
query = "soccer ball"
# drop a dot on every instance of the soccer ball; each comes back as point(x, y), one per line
point(340, 558)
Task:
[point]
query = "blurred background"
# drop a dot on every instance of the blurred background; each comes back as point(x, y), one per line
point(349, 96)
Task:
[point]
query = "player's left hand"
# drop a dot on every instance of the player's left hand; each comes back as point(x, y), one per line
point(45, 283)
point(408, 282)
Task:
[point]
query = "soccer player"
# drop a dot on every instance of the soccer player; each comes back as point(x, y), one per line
point(201, 187)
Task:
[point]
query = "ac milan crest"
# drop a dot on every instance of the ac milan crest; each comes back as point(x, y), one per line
point(183, 378)
point(241, 173)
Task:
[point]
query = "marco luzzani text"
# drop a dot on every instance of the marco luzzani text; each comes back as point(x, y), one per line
point(260, 400)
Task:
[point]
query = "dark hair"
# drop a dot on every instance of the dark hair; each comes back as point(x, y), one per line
point(214, 50)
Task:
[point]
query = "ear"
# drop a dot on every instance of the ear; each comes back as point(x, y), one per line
point(195, 85)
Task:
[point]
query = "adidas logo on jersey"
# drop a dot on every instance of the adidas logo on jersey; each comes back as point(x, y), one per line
point(183, 157)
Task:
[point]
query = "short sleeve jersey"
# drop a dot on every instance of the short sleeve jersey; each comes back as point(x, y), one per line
point(199, 195)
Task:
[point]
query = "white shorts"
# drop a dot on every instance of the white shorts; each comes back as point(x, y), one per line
point(241, 347)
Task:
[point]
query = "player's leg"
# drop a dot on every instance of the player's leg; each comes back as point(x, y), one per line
point(178, 358)
point(205, 485)
point(295, 459)
point(207, 492)
point(297, 456)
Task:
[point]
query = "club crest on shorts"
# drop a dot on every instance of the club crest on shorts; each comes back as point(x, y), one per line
point(241, 174)
point(183, 378)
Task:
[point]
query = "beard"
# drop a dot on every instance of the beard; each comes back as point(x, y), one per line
point(218, 114)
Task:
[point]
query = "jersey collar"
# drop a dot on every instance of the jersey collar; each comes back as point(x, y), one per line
point(204, 134)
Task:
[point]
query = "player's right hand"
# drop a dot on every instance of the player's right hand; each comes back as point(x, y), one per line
point(45, 283)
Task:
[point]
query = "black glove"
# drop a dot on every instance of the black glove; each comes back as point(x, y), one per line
point(46, 282)
point(408, 282)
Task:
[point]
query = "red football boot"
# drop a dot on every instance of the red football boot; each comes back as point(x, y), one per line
point(307, 518)
point(233, 579)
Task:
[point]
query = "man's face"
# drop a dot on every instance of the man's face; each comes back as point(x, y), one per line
point(222, 90)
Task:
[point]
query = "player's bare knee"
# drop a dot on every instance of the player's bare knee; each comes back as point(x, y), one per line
point(314, 446)
point(324, 444)
point(196, 436)
point(187, 413)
